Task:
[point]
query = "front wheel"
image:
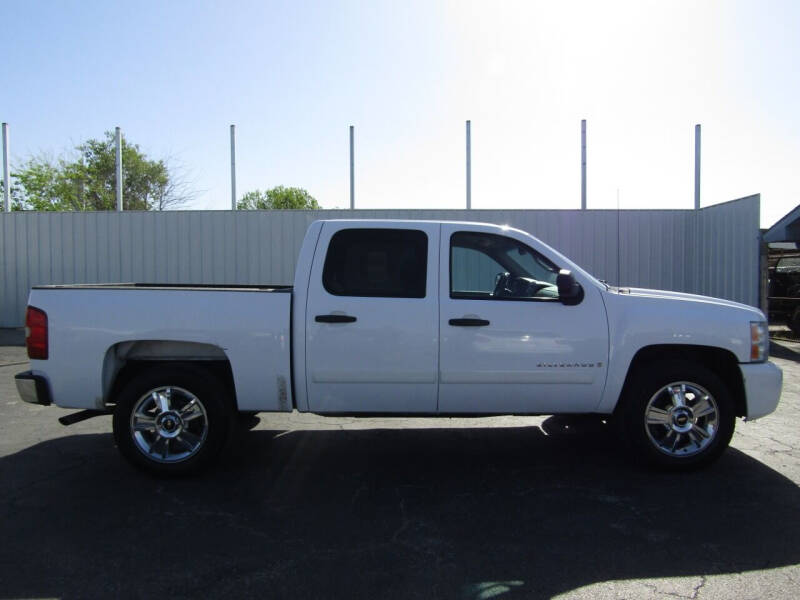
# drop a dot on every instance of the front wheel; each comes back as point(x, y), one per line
point(172, 420)
point(678, 415)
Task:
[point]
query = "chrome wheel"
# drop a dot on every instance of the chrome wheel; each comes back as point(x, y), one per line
point(169, 424)
point(681, 419)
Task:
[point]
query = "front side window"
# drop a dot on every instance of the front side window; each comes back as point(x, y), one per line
point(390, 263)
point(488, 266)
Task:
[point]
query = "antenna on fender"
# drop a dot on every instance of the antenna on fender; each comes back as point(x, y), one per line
point(619, 243)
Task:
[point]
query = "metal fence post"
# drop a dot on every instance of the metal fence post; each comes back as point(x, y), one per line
point(6, 174)
point(118, 156)
point(696, 166)
point(583, 164)
point(352, 170)
point(233, 167)
point(469, 166)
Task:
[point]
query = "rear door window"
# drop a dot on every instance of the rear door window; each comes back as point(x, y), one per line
point(390, 263)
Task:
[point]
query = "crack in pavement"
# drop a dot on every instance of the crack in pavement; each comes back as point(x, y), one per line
point(697, 588)
point(693, 596)
point(13, 364)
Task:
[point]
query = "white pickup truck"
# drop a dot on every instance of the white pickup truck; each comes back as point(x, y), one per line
point(401, 318)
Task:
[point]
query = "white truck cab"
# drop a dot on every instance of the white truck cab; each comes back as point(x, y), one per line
point(404, 318)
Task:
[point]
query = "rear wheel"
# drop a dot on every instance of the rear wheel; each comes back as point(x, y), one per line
point(678, 415)
point(172, 419)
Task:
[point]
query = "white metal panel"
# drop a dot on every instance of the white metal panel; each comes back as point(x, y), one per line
point(386, 360)
point(530, 357)
point(713, 251)
point(86, 323)
point(762, 383)
point(649, 317)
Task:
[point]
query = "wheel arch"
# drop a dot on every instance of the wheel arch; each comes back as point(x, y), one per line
point(723, 362)
point(124, 361)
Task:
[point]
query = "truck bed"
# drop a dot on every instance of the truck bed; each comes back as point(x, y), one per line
point(168, 286)
point(95, 328)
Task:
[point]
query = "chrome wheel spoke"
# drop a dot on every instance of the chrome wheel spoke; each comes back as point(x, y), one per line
point(694, 438)
point(144, 423)
point(657, 416)
point(189, 439)
point(161, 400)
point(689, 416)
point(157, 441)
point(703, 408)
point(160, 420)
point(667, 440)
point(191, 411)
point(678, 395)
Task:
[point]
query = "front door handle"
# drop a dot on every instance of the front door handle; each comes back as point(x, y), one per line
point(468, 322)
point(334, 319)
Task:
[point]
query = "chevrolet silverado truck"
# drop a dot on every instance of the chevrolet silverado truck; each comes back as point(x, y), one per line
point(400, 318)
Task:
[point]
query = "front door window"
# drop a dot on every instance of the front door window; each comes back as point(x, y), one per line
point(485, 266)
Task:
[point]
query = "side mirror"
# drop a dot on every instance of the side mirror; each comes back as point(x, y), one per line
point(570, 291)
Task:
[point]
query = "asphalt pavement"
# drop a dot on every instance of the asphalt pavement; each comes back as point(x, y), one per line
point(310, 507)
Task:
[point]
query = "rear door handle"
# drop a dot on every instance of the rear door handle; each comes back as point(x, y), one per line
point(468, 322)
point(334, 319)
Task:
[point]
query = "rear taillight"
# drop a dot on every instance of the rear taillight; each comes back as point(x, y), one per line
point(36, 333)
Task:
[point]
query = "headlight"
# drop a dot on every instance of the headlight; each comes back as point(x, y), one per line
point(759, 338)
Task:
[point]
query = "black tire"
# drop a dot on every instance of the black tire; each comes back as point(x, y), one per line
point(651, 443)
point(196, 396)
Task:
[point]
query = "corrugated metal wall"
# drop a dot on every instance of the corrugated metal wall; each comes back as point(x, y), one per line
point(713, 251)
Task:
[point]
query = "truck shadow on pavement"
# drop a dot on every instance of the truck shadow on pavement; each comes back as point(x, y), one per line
point(784, 350)
point(377, 513)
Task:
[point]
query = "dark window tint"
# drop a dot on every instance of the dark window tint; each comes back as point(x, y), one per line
point(377, 262)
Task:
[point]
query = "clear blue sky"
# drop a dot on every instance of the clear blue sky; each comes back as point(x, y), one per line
point(294, 75)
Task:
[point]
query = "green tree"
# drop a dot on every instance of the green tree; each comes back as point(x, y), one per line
point(279, 197)
point(88, 181)
point(14, 195)
point(40, 185)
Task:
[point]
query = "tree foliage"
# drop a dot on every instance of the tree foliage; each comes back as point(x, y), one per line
point(279, 197)
point(87, 181)
point(14, 194)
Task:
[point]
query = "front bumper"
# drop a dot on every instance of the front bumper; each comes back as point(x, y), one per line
point(33, 388)
point(762, 388)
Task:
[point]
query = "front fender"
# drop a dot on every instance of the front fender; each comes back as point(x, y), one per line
point(639, 321)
